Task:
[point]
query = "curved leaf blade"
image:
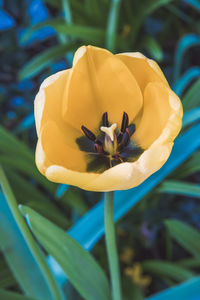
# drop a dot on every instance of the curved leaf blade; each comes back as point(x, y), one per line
point(185, 235)
point(176, 187)
point(80, 267)
point(44, 59)
point(189, 290)
point(23, 254)
point(185, 43)
point(166, 269)
point(6, 295)
point(185, 80)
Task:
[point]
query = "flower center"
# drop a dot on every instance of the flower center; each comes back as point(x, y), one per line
point(111, 146)
point(110, 141)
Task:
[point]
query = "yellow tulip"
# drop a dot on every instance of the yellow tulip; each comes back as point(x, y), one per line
point(107, 123)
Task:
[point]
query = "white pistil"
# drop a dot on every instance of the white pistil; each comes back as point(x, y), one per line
point(109, 130)
point(110, 142)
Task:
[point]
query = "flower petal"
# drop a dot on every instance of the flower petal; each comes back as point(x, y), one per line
point(162, 115)
point(128, 175)
point(53, 148)
point(60, 174)
point(48, 101)
point(144, 70)
point(99, 82)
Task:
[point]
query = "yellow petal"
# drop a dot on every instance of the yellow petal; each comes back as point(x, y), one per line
point(128, 175)
point(121, 177)
point(144, 70)
point(62, 175)
point(41, 160)
point(53, 146)
point(48, 101)
point(99, 82)
point(162, 111)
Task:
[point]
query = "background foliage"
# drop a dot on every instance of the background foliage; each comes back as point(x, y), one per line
point(158, 240)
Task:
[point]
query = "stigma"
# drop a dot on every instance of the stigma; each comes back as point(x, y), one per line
point(110, 141)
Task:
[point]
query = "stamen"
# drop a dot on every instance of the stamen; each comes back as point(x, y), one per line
point(126, 138)
point(125, 121)
point(89, 134)
point(105, 119)
point(124, 125)
point(98, 148)
point(109, 130)
point(131, 129)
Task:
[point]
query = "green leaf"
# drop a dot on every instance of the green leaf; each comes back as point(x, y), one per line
point(112, 25)
point(21, 251)
point(6, 278)
point(189, 263)
point(6, 295)
point(152, 5)
point(85, 33)
point(26, 35)
point(32, 196)
point(153, 47)
point(180, 188)
point(44, 59)
point(17, 155)
point(166, 269)
point(80, 267)
point(190, 167)
point(55, 3)
point(9, 144)
point(185, 235)
point(67, 11)
point(192, 98)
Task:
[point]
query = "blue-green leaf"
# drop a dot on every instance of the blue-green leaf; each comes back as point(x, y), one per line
point(80, 267)
point(191, 98)
point(189, 290)
point(164, 269)
point(185, 43)
point(184, 81)
point(6, 295)
point(112, 25)
point(44, 59)
point(21, 251)
point(185, 235)
point(180, 188)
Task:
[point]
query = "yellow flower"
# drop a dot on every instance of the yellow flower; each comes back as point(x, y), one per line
point(107, 123)
point(127, 255)
point(135, 272)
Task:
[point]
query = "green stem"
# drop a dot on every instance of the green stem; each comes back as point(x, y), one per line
point(111, 246)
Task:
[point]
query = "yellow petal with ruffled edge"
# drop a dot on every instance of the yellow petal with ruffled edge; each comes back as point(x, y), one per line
point(121, 177)
point(48, 101)
point(48, 107)
point(99, 82)
point(143, 69)
point(162, 112)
